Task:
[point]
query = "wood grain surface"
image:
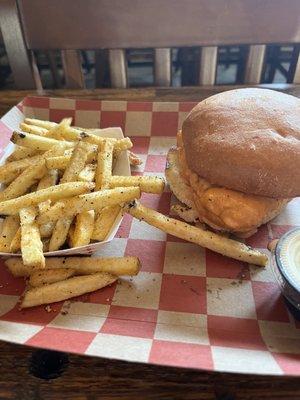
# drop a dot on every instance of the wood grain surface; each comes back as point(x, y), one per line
point(9, 98)
point(86, 378)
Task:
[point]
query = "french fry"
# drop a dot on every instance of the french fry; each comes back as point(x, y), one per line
point(46, 245)
point(38, 122)
point(38, 142)
point(62, 226)
point(25, 180)
point(104, 222)
point(31, 243)
point(84, 227)
point(15, 245)
point(134, 159)
point(123, 144)
point(60, 233)
point(11, 225)
point(11, 207)
point(57, 131)
point(88, 173)
point(210, 240)
point(70, 237)
point(77, 163)
point(78, 133)
point(20, 153)
point(82, 265)
point(66, 289)
point(104, 165)
point(50, 179)
point(48, 276)
point(61, 162)
point(35, 130)
point(9, 171)
point(119, 144)
point(46, 230)
point(93, 201)
point(148, 184)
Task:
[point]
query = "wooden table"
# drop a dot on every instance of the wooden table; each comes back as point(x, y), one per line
point(25, 372)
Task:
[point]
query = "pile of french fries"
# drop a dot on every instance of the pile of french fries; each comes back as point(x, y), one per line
point(60, 190)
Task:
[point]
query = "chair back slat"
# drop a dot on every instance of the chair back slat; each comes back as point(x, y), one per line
point(117, 25)
point(17, 53)
point(53, 67)
point(297, 71)
point(254, 64)
point(208, 65)
point(118, 68)
point(71, 61)
point(162, 67)
point(92, 24)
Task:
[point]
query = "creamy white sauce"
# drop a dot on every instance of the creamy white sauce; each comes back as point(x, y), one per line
point(289, 256)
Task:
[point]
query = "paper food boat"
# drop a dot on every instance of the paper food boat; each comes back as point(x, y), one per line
point(12, 120)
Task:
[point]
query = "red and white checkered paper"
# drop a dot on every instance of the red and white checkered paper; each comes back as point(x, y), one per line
point(188, 307)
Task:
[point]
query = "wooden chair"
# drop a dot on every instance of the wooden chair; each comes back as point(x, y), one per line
point(71, 25)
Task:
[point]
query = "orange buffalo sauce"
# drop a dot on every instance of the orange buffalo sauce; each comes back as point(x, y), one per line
point(223, 208)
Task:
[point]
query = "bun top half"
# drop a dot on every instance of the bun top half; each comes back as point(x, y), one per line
point(247, 140)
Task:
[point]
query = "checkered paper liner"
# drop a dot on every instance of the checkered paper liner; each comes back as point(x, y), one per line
point(188, 307)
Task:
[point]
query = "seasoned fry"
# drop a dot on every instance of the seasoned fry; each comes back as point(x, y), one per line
point(77, 163)
point(9, 171)
point(38, 142)
point(82, 265)
point(46, 245)
point(59, 162)
point(104, 165)
point(62, 226)
point(62, 161)
point(119, 144)
point(148, 184)
point(45, 277)
point(38, 122)
point(57, 131)
point(20, 153)
point(105, 221)
point(10, 227)
point(60, 233)
point(210, 240)
point(123, 144)
point(25, 180)
point(88, 173)
point(15, 245)
point(70, 237)
point(46, 230)
point(66, 289)
point(35, 130)
point(31, 243)
point(93, 201)
point(84, 227)
point(134, 159)
point(11, 207)
point(50, 179)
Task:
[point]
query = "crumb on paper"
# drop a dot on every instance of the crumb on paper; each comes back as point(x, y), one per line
point(48, 308)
